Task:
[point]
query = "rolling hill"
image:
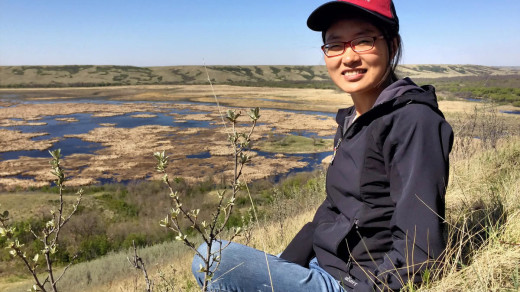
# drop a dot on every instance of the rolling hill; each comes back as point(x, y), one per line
point(276, 76)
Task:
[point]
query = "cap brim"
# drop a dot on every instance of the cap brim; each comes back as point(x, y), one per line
point(321, 18)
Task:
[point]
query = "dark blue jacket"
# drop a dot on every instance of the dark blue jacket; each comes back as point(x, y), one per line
point(381, 224)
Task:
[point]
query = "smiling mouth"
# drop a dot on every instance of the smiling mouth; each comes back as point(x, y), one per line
point(354, 72)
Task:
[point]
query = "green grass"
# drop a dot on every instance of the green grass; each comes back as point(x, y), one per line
point(500, 89)
point(296, 144)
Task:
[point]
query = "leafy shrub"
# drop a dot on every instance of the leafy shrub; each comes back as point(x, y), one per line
point(94, 247)
point(120, 77)
point(119, 206)
point(432, 68)
point(140, 240)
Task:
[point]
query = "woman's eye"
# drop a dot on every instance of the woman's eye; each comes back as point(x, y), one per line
point(335, 47)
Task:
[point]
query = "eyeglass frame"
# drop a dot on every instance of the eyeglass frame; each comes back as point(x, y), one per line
point(349, 43)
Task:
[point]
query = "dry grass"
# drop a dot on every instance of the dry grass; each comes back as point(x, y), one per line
point(483, 212)
point(172, 260)
point(17, 141)
point(479, 184)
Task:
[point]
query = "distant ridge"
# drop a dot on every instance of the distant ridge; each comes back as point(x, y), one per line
point(278, 76)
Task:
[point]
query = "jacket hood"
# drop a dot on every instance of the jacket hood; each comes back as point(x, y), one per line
point(395, 95)
point(397, 89)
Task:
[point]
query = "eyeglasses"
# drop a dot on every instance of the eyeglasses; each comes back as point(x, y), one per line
point(358, 45)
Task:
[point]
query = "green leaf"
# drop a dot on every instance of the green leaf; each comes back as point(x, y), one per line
point(174, 195)
point(244, 158)
point(201, 269)
point(165, 222)
point(50, 224)
point(232, 116)
point(56, 154)
point(180, 237)
point(175, 213)
point(254, 113)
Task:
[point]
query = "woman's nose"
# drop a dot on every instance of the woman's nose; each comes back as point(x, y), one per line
point(349, 56)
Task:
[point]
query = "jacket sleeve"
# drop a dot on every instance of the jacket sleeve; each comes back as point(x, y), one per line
point(416, 154)
point(300, 249)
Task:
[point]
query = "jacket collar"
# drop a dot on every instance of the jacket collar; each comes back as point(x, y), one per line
point(395, 95)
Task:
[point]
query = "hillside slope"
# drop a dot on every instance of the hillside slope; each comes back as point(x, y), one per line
point(285, 76)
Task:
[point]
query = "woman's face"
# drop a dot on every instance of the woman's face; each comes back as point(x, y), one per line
point(357, 73)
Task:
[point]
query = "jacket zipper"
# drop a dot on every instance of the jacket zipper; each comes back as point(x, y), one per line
point(356, 224)
point(349, 262)
point(343, 134)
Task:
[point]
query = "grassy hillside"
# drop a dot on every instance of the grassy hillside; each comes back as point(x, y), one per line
point(499, 84)
point(482, 220)
point(60, 76)
point(286, 76)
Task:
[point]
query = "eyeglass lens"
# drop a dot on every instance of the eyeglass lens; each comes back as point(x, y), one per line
point(358, 45)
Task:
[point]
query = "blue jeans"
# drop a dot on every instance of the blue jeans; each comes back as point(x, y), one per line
point(243, 268)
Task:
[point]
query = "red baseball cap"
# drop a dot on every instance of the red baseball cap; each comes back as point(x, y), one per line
point(321, 18)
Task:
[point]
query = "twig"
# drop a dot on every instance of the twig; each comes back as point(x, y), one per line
point(509, 243)
point(138, 263)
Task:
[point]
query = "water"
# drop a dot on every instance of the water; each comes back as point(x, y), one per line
point(68, 146)
point(511, 112)
point(313, 162)
point(86, 122)
point(202, 155)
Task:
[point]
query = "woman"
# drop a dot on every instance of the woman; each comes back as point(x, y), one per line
point(380, 226)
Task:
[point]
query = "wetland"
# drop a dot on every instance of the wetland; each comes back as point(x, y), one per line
point(106, 140)
point(109, 134)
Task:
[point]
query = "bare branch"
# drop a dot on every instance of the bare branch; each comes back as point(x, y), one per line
point(138, 263)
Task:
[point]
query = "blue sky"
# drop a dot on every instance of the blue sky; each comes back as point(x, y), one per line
point(268, 32)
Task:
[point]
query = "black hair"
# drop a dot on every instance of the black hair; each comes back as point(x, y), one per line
point(389, 32)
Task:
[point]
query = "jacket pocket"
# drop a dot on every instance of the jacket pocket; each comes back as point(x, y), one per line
point(329, 235)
